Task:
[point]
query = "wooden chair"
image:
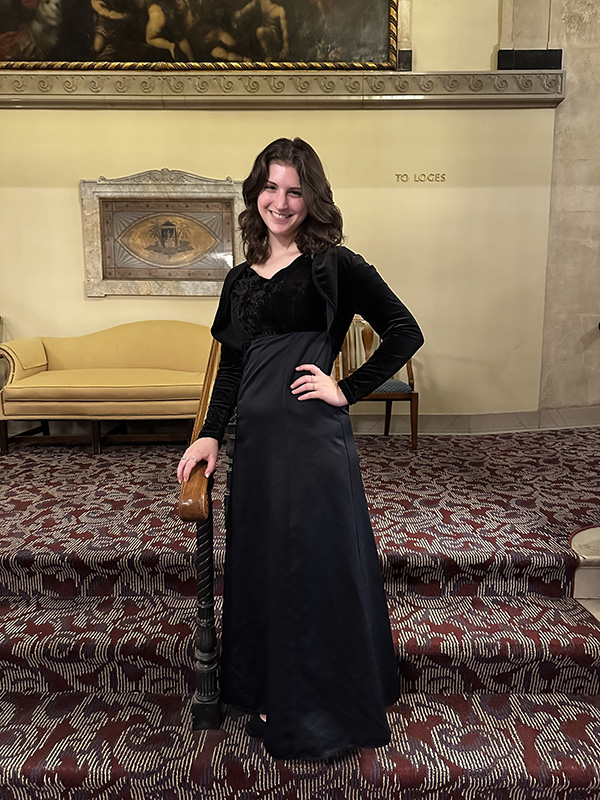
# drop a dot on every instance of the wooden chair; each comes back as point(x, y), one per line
point(358, 346)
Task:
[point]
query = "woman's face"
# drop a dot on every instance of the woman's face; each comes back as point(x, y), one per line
point(280, 204)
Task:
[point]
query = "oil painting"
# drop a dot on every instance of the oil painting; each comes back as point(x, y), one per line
point(197, 33)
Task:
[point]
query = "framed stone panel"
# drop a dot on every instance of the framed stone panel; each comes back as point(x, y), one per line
point(160, 232)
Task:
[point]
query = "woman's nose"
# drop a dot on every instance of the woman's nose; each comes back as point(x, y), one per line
point(281, 200)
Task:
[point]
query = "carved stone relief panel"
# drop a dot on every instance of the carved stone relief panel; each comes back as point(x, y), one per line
point(161, 232)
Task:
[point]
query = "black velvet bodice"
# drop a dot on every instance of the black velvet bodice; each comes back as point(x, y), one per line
point(287, 302)
point(252, 307)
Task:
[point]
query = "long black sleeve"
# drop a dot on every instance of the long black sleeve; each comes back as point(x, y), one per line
point(224, 394)
point(370, 296)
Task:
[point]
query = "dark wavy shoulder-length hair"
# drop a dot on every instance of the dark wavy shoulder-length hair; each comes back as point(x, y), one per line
point(323, 226)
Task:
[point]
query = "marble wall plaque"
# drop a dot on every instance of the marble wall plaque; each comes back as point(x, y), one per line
point(161, 232)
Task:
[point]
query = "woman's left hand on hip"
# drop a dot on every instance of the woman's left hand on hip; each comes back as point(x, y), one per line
point(318, 386)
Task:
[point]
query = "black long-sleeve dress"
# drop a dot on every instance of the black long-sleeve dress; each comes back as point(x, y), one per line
point(306, 634)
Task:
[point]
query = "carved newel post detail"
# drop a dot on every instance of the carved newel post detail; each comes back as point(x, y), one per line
point(206, 707)
point(195, 505)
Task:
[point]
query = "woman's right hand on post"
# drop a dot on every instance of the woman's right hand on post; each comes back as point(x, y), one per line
point(204, 449)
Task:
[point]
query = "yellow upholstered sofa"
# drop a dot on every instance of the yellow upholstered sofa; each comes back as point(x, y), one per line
point(141, 370)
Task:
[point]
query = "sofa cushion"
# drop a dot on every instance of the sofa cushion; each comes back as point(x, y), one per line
point(106, 385)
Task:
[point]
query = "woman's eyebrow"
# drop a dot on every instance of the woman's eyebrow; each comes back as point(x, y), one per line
point(290, 188)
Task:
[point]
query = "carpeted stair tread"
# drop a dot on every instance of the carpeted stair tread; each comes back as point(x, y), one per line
point(494, 644)
point(473, 533)
point(140, 747)
point(98, 566)
point(94, 525)
point(88, 644)
point(481, 515)
point(434, 565)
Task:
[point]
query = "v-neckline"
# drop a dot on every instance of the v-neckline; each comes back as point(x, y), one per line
point(287, 266)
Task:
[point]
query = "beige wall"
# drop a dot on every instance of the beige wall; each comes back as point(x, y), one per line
point(468, 254)
point(457, 35)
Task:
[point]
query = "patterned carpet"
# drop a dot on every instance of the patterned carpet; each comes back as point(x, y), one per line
point(499, 666)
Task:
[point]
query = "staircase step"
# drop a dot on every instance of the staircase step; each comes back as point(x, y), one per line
point(86, 644)
point(102, 563)
point(462, 562)
point(117, 746)
point(492, 644)
point(94, 525)
point(488, 515)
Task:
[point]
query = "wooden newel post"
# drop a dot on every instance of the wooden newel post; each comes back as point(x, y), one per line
point(195, 505)
point(206, 709)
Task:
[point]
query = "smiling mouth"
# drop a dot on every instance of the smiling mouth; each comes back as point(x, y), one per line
point(277, 215)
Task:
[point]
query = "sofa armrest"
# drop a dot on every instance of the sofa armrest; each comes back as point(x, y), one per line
point(25, 357)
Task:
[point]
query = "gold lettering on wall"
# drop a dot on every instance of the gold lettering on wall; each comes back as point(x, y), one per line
point(420, 177)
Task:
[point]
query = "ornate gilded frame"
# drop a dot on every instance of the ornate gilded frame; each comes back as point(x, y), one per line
point(160, 191)
point(389, 42)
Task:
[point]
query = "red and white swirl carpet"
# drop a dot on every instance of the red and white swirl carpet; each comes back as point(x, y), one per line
point(499, 666)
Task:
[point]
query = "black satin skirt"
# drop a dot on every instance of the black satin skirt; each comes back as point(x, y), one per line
point(306, 632)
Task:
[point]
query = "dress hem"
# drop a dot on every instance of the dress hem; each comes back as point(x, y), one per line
point(337, 752)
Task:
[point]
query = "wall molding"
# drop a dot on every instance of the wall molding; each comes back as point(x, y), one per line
point(279, 89)
point(508, 422)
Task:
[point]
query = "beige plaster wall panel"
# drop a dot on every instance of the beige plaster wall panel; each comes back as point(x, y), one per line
point(531, 24)
point(531, 21)
point(405, 24)
point(467, 254)
point(506, 24)
point(556, 32)
point(455, 35)
point(571, 355)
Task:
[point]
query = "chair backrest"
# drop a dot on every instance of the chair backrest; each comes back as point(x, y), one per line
point(359, 344)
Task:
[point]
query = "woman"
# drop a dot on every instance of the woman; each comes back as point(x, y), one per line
point(306, 636)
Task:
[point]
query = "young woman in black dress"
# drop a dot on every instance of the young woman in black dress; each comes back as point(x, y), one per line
point(306, 647)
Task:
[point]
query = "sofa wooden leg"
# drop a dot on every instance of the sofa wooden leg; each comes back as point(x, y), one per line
point(96, 442)
point(45, 426)
point(3, 436)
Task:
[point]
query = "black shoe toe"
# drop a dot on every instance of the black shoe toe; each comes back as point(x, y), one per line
point(256, 727)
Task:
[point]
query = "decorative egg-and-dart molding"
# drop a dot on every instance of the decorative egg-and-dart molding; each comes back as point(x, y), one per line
point(272, 89)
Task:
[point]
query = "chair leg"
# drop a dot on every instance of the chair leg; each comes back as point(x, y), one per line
point(414, 420)
point(45, 426)
point(3, 436)
point(96, 443)
point(388, 417)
